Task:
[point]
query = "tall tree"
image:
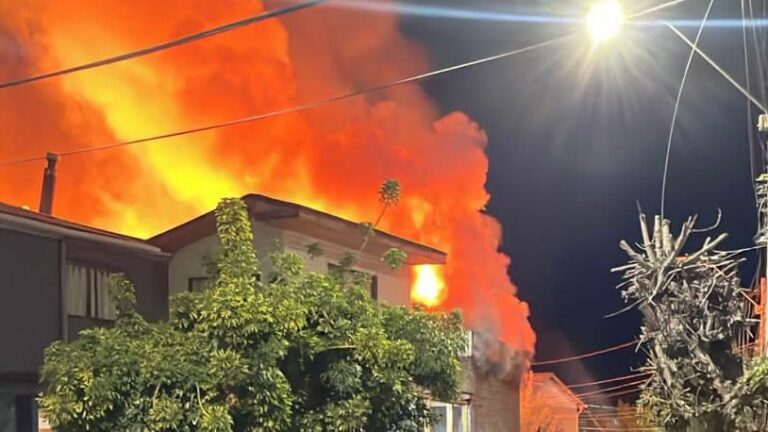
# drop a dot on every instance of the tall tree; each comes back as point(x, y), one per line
point(300, 352)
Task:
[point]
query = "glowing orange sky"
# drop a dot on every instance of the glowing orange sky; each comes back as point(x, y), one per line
point(333, 158)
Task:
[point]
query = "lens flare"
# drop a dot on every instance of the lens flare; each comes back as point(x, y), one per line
point(605, 20)
point(428, 285)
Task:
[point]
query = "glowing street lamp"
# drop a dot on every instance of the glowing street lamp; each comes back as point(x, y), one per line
point(605, 20)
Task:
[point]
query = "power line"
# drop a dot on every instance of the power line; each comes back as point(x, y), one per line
point(616, 429)
point(590, 354)
point(750, 119)
point(609, 380)
point(611, 395)
point(759, 52)
point(677, 106)
point(301, 107)
point(656, 8)
point(605, 416)
point(602, 407)
point(719, 69)
point(166, 45)
point(618, 387)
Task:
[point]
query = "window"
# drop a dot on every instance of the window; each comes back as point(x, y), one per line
point(88, 292)
point(469, 339)
point(442, 413)
point(337, 270)
point(453, 417)
point(198, 284)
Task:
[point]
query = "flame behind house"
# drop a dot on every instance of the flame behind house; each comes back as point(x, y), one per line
point(331, 158)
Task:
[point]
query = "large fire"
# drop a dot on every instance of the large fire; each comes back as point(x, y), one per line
point(428, 285)
point(331, 158)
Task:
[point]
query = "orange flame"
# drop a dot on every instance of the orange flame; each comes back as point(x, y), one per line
point(428, 286)
point(332, 158)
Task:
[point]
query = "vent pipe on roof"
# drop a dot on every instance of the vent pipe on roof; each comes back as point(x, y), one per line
point(49, 184)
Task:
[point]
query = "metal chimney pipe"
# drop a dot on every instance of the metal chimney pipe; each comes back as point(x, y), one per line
point(49, 184)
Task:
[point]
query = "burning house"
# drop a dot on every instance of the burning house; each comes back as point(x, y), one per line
point(492, 369)
point(68, 265)
point(330, 158)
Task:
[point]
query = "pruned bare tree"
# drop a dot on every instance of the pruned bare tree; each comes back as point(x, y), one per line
point(692, 306)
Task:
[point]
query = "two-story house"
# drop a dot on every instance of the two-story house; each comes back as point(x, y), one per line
point(53, 283)
point(490, 402)
point(283, 226)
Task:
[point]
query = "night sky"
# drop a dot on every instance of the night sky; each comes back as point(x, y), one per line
point(576, 140)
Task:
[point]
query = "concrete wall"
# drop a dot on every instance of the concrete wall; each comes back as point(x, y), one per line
point(30, 301)
point(393, 286)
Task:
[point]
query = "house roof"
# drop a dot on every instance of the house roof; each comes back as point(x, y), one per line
point(297, 218)
point(24, 220)
point(541, 378)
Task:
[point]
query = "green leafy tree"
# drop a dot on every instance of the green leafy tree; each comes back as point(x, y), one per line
point(299, 352)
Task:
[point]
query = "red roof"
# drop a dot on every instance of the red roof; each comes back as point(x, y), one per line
point(542, 377)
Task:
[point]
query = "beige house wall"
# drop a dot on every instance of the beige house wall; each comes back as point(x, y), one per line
point(393, 285)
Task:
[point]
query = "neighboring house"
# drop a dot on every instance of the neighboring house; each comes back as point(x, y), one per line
point(549, 405)
point(53, 283)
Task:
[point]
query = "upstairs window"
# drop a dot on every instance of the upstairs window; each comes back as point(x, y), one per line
point(338, 271)
point(88, 292)
point(198, 284)
point(469, 338)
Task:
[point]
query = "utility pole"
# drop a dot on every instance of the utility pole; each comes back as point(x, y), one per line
point(762, 237)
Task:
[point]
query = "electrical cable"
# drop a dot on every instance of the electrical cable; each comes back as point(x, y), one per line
point(759, 52)
point(616, 429)
point(609, 389)
point(586, 355)
point(750, 117)
point(301, 107)
point(611, 395)
point(609, 380)
point(165, 45)
point(719, 69)
point(656, 8)
point(677, 106)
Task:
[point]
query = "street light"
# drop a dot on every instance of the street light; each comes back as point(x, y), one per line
point(605, 20)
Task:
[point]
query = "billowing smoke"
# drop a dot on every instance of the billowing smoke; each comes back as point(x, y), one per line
point(332, 158)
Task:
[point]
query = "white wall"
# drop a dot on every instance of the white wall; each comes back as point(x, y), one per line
point(394, 286)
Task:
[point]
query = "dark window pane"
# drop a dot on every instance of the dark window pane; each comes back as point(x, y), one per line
point(198, 284)
point(353, 276)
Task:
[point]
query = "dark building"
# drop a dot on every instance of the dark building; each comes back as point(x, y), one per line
point(53, 283)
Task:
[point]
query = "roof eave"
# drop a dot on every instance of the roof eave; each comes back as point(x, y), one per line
point(31, 226)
